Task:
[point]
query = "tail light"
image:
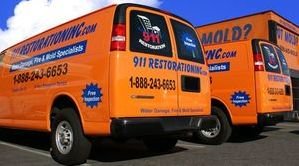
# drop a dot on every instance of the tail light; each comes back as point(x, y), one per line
point(118, 38)
point(258, 62)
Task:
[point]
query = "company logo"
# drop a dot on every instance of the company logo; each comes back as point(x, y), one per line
point(92, 95)
point(151, 35)
point(240, 99)
point(54, 39)
point(163, 64)
point(220, 54)
point(272, 62)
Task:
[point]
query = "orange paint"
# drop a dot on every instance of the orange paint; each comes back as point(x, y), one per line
point(250, 79)
point(266, 25)
point(96, 61)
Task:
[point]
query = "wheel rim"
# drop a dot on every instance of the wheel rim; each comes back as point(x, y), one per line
point(64, 137)
point(212, 132)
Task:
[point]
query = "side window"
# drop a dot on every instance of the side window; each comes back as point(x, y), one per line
point(270, 58)
point(283, 62)
point(187, 42)
point(149, 34)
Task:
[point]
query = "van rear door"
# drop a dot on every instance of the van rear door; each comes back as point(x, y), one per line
point(193, 78)
point(143, 81)
point(272, 79)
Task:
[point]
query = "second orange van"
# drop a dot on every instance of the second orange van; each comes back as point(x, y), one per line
point(250, 87)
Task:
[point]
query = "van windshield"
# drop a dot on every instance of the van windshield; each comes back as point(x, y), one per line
point(187, 43)
point(149, 34)
point(283, 62)
point(270, 58)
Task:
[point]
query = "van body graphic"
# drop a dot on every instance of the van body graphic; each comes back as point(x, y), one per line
point(124, 71)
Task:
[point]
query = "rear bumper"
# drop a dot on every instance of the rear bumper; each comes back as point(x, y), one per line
point(268, 119)
point(139, 127)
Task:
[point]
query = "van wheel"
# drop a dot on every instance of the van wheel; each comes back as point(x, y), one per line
point(164, 144)
point(219, 134)
point(69, 145)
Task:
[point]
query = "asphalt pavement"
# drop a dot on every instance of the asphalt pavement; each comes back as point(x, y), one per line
point(277, 145)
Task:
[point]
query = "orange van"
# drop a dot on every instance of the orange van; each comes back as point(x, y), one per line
point(250, 88)
point(125, 71)
point(267, 25)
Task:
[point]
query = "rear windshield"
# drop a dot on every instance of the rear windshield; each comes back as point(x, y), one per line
point(270, 58)
point(187, 42)
point(149, 33)
point(283, 62)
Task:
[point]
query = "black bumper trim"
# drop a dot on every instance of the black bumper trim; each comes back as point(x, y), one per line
point(138, 127)
point(268, 119)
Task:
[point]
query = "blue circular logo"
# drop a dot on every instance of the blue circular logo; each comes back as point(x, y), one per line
point(240, 98)
point(92, 95)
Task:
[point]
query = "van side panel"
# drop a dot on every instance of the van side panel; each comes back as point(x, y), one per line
point(289, 44)
point(255, 26)
point(285, 33)
point(73, 62)
point(266, 25)
point(232, 73)
point(5, 109)
point(287, 38)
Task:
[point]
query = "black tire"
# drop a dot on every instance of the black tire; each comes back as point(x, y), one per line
point(216, 135)
point(80, 146)
point(164, 144)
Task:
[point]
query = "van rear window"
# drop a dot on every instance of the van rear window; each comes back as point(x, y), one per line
point(149, 34)
point(187, 42)
point(270, 58)
point(283, 62)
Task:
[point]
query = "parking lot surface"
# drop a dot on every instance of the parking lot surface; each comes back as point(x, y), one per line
point(277, 145)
